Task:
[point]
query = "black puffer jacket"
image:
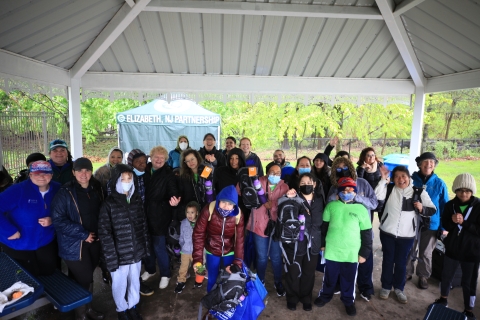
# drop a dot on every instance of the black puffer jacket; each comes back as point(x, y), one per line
point(219, 157)
point(122, 227)
point(159, 188)
point(462, 245)
point(226, 176)
point(373, 178)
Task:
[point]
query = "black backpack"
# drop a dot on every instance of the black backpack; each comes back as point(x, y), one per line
point(287, 229)
point(226, 293)
point(247, 190)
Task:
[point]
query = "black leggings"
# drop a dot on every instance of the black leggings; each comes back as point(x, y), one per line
point(82, 270)
point(40, 262)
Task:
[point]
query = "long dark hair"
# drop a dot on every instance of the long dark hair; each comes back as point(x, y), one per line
point(185, 171)
point(363, 155)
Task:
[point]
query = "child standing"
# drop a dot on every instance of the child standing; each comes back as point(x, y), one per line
point(122, 231)
point(342, 254)
point(186, 230)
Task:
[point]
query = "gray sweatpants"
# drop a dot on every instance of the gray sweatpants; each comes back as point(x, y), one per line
point(426, 245)
point(126, 279)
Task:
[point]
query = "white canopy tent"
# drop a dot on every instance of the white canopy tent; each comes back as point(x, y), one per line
point(271, 50)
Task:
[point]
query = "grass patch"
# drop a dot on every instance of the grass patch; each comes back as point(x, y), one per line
point(448, 170)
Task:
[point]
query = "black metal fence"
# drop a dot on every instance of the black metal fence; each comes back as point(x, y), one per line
point(22, 133)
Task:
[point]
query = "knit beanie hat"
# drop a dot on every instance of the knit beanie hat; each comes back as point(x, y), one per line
point(322, 156)
point(132, 155)
point(426, 156)
point(465, 180)
point(35, 157)
point(346, 182)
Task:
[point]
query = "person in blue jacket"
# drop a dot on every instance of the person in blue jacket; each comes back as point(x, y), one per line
point(26, 231)
point(427, 238)
point(174, 155)
point(75, 211)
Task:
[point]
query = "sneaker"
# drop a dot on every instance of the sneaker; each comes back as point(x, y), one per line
point(107, 278)
point(145, 276)
point(180, 286)
point(319, 302)
point(402, 298)
point(307, 306)
point(442, 301)
point(422, 283)
point(366, 296)
point(145, 290)
point(164, 282)
point(351, 310)
point(384, 293)
point(198, 284)
point(133, 314)
point(291, 306)
point(280, 290)
point(337, 292)
point(123, 315)
point(469, 315)
point(188, 275)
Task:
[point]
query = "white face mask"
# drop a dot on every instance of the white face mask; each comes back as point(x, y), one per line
point(183, 145)
point(126, 186)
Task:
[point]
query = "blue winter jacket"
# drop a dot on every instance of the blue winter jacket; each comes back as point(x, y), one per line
point(174, 159)
point(21, 206)
point(438, 192)
point(67, 221)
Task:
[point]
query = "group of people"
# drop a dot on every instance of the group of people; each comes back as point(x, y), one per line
point(120, 216)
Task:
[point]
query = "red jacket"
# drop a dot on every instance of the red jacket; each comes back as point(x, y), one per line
point(217, 232)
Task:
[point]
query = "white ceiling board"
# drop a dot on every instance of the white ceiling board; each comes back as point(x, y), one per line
point(437, 41)
point(252, 32)
point(272, 30)
point(395, 67)
point(404, 74)
point(97, 16)
point(288, 44)
point(429, 71)
point(212, 36)
point(123, 54)
point(458, 81)
point(232, 42)
point(72, 54)
point(383, 61)
point(306, 45)
point(155, 41)
point(97, 67)
point(109, 61)
point(9, 7)
point(363, 41)
point(465, 8)
point(325, 43)
point(342, 45)
point(427, 59)
point(172, 30)
point(194, 41)
point(246, 84)
point(136, 42)
point(405, 5)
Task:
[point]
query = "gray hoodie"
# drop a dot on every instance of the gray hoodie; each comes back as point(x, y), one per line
point(186, 231)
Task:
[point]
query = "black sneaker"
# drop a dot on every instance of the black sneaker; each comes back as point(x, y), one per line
point(469, 315)
point(133, 314)
point(351, 310)
point(442, 301)
point(123, 315)
point(198, 284)
point(319, 302)
point(280, 289)
point(145, 290)
point(180, 286)
point(291, 306)
point(307, 306)
point(366, 296)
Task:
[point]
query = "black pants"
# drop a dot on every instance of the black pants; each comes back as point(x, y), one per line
point(469, 279)
point(82, 270)
point(299, 289)
point(40, 262)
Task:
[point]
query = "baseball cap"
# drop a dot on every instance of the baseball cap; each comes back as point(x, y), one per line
point(58, 143)
point(40, 167)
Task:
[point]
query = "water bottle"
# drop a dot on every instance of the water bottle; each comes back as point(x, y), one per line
point(208, 191)
point(301, 218)
point(260, 192)
point(242, 297)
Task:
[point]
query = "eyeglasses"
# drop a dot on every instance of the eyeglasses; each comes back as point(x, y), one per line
point(188, 161)
point(342, 169)
point(463, 191)
point(370, 155)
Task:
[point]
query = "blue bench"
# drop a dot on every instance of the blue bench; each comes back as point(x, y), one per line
point(64, 293)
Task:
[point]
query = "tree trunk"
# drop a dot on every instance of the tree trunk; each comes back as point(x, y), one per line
point(450, 118)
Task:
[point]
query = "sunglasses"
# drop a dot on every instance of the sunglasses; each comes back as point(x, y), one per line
point(342, 169)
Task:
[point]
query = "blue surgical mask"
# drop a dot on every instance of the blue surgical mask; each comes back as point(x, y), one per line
point(273, 179)
point(138, 173)
point(346, 197)
point(304, 170)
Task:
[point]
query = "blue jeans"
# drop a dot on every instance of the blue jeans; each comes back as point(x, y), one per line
point(262, 254)
point(163, 260)
point(149, 261)
point(213, 265)
point(394, 265)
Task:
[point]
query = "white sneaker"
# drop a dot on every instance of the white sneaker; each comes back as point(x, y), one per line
point(145, 276)
point(164, 282)
point(188, 275)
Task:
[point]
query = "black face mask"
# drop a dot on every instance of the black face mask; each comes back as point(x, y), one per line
point(306, 189)
point(341, 173)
